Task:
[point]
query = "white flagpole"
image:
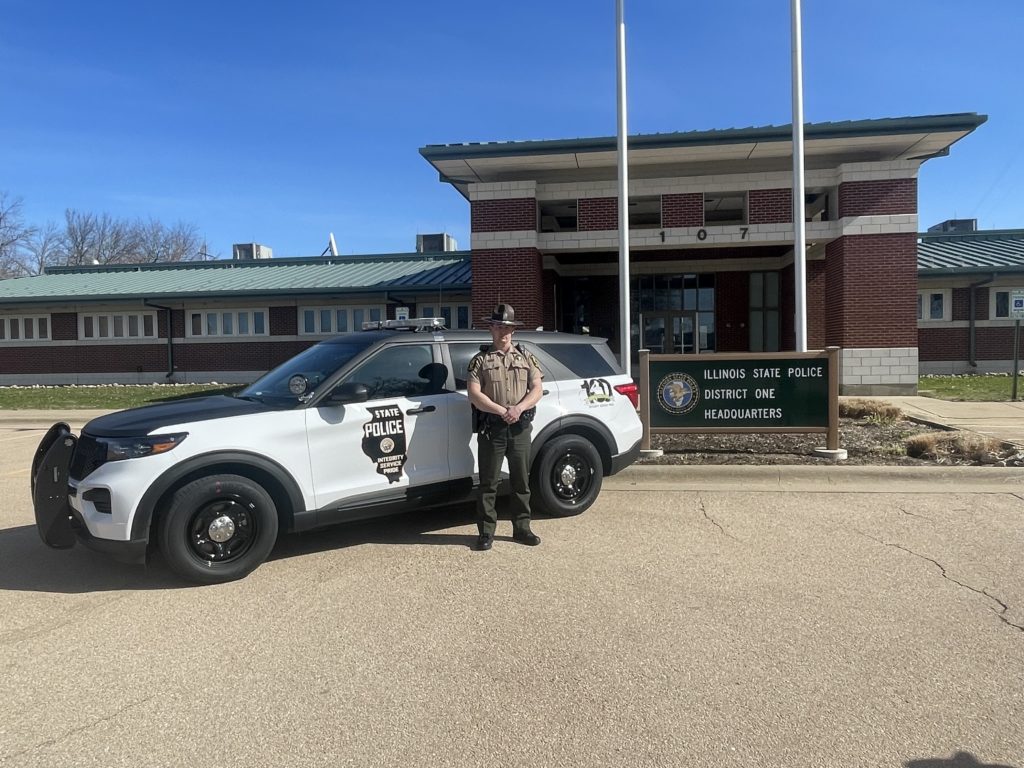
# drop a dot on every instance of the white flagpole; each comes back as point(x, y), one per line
point(620, 59)
point(799, 236)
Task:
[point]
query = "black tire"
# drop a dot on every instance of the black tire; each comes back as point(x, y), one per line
point(566, 476)
point(201, 513)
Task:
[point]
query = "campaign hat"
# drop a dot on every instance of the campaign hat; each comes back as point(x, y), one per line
point(503, 314)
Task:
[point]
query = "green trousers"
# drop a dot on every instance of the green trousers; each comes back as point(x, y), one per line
point(511, 442)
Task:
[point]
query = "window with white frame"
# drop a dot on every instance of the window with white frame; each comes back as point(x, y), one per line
point(452, 313)
point(219, 323)
point(933, 305)
point(24, 328)
point(320, 320)
point(117, 325)
point(999, 303)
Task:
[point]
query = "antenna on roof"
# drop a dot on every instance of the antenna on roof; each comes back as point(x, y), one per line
point(332, 247)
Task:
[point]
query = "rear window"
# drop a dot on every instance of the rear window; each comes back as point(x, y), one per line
point(585, 360)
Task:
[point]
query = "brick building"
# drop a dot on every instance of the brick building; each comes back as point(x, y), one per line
point(226, 321)
point(966, 282)
point(711, 237)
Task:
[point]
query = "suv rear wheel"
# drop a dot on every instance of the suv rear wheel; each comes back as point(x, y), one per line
point(566, 476)
point(218, 528)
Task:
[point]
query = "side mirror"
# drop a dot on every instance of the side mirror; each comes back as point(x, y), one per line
point(349, 392)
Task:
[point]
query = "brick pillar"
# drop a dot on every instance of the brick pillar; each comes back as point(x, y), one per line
point(510, 276)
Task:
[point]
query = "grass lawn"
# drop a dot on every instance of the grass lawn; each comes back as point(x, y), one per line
point(108, 397)
point(989, 388)
point(116, 397)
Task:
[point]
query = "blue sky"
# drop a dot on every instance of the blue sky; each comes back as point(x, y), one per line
point(279, 123)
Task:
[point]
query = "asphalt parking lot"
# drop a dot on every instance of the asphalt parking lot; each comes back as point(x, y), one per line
point(722, 617)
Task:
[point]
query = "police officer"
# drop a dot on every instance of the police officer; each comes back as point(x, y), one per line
point(504, 384)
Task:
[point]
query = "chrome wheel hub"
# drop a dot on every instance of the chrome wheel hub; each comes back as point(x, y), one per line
point(221, 529)
point(568, 475)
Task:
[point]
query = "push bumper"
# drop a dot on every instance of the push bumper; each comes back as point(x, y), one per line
point(59, 524)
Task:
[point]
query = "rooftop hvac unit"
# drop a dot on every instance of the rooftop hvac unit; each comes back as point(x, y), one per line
point(956, 226)
point(435, 243)
point(250, 251)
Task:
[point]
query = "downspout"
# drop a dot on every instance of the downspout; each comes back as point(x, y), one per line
point(170, 337)
point(970, 317)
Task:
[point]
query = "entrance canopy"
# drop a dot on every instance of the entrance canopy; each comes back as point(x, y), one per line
point(692, 153)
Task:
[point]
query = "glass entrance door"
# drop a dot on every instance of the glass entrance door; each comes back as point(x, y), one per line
point(669, 332)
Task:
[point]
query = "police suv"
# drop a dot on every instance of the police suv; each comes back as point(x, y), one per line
point(367, 423)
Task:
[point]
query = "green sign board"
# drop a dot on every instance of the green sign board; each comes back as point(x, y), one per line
point(728, 393)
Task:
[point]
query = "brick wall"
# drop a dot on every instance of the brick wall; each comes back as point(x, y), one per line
point(877, 198)
point(63, 326)
point(512, 276)
point(284, 321)
point(816, 281)
point(871, 291)
point(685, 210)
point(770, 206)
point(961, 309)
point(511, 215)
point(549, 281)
point(597, 213)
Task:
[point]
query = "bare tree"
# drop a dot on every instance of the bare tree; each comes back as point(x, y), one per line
point(161, 244)
point(91, 238)
point(14, 234)
point(43, 249)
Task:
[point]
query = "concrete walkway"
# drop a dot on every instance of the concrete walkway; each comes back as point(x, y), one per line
point(1002, 421)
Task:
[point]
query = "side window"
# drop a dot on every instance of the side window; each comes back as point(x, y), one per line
point(404, 370)
point(585, 360)
point(461, 355)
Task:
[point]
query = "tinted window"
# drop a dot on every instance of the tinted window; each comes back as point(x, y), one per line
point(404, 370)
point(582, 359)
point(461, 355)
point(317, 364)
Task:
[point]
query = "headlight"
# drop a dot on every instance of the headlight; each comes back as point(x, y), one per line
point(119, 448)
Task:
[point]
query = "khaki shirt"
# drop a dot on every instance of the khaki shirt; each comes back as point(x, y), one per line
point(505, 378)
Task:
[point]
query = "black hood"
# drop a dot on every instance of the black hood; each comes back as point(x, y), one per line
point(136, 422)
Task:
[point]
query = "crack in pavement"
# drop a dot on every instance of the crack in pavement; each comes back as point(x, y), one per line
point(710, 519)
point(1003, 607)
point(914, 514)
point(75, 731)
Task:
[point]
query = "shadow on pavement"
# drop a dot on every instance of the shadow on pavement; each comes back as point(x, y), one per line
point(959, 760)
point(26, 564)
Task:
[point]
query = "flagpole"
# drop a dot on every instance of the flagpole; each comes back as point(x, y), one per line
point(799, 235)
point(624, 319)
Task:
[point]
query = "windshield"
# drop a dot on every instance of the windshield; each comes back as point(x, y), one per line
point(317, 364)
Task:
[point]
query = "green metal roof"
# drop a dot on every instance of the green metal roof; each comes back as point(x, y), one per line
point(888, 126)
point(359, 274)
point(984, 251)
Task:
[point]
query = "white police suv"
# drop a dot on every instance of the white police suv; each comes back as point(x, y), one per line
point(364, 424)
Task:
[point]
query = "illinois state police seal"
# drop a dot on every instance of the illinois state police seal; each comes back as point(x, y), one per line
point(678, 393)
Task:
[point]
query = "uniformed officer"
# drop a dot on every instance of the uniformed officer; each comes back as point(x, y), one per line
point(504, 384)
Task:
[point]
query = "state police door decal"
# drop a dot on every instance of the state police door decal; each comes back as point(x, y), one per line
point(384, 441)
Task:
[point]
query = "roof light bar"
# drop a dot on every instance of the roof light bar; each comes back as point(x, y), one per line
point(412, 324)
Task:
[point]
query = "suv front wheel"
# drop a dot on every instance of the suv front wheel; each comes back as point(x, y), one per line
point(566, 476)
point(218, 528)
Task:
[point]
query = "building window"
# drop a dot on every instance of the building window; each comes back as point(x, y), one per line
point(322, 320)
point(557, 215)
point(999, 303)
point(117, 325)
point(933, 305)
point(722, 208)
point(25, 328)
point(457, 313)
point(210, 323)
point(645, 212)
point(818, 205)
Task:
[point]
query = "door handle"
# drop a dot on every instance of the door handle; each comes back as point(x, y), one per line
point(424, 409)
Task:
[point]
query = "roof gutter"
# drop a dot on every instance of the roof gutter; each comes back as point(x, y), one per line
point(170, 337)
